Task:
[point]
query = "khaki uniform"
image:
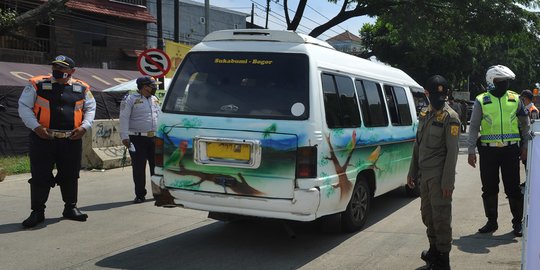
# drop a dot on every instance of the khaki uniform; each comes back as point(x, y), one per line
point(434, 165)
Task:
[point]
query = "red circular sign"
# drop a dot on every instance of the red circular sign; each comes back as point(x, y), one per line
point(154, 62)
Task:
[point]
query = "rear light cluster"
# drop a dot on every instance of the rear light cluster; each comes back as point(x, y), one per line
point(306, 162)
point(158, 154)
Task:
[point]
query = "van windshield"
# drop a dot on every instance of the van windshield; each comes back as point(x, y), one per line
point(241, 84)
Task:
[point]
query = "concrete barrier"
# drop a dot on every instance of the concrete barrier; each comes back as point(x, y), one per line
point(102, 146)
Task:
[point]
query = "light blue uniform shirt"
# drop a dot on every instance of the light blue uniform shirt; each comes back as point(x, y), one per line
point(29, 96)
point(138, 114)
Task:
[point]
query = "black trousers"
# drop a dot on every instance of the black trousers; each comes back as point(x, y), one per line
point(144, 151)
point(44, 154)
point(505, 159)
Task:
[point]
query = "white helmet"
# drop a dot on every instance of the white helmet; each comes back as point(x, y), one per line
point(498, 72)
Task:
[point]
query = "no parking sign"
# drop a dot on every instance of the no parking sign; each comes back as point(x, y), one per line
point(154, 62)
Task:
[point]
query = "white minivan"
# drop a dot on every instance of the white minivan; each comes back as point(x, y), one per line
point(277, 124)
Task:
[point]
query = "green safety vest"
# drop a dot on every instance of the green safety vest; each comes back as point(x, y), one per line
point(499, 117)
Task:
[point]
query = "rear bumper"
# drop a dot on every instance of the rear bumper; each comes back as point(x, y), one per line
point(302, 207)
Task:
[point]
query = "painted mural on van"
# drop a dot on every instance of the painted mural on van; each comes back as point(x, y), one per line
point(342, 154)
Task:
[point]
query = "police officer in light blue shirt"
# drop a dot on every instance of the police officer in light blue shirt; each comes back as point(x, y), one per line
point(138, 124)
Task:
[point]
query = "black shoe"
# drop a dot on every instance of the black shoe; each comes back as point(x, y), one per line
point(489, 227)
point(34, 219)
point(74, 214)
point(517, 230)
point(139, 200)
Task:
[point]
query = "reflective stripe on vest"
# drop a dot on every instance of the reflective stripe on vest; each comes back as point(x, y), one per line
point(499, 118)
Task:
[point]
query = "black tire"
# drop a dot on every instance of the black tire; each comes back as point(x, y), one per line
point(414, 192)
point(356, 214)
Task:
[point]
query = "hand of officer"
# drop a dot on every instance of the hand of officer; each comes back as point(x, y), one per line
point(126, 142)
point(41, 131)
point(410, 182)
point(523, 155)
point(472, 160)
point(446, 193)
point(77, 133)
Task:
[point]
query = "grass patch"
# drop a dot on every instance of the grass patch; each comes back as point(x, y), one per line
point(15, 164)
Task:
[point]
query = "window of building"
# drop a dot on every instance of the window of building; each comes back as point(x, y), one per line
point(371, 103)
point(340, 102)
point(93, 34)
point(398, 105)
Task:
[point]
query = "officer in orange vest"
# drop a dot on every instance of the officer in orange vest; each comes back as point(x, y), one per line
point(527, 98)
point(59, 110)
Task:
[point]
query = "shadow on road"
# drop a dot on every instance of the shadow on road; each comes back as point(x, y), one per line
point(17, 227)
point(105, 206)
point(247, 244)
point(480, 244)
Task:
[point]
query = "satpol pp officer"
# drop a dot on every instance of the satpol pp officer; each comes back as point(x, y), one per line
point(433, 166)
point(138, 124)
point(59, 110)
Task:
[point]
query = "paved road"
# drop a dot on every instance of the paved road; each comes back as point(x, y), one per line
point(121, 235)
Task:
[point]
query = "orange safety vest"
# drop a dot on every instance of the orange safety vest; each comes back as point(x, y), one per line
point(59, 106)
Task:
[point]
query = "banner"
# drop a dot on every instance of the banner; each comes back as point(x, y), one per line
point(531, 236)
point(176, 51)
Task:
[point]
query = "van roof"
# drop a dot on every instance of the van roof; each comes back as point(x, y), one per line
point(323, 53)
point(264, 35)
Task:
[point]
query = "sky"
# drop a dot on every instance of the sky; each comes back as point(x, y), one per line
point(316, 13)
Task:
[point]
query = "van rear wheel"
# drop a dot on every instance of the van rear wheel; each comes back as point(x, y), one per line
point(355, 216)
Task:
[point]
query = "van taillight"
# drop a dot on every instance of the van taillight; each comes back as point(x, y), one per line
point(306, 162)
point(158, 156)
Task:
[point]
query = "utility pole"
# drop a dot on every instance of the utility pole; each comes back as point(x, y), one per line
point(267, 11)
point(159, 26)
point(206, 17)
point(252, 13)
point(176, 20)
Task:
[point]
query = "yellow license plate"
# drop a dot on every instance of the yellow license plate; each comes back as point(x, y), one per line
point(228, 151)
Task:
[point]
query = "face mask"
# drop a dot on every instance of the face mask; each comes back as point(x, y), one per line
point(500, 88)
point(57, 74)
point(437, 101)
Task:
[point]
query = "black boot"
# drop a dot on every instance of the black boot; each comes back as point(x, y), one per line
point(443, 261)
point(73, 213)
point(490, 208)
point(34, 219)
point(429, 256)
point(516, 207)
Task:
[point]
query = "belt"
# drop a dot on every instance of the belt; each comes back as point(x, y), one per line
point(498, 144)
point(59, 134)
point(145, 134)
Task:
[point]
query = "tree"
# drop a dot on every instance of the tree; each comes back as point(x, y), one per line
point(458, 39)
point(10, 21)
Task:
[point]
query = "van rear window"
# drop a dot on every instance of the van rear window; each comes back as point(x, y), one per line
point(241, 84)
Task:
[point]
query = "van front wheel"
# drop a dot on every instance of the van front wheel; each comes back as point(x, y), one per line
point(355, 216)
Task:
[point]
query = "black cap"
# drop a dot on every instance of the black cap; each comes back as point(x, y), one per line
point(63, 61)
point(527, 93)
point(144, 80)
point(437, 84)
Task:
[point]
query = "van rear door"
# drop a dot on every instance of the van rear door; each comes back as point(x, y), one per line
point(231, 123)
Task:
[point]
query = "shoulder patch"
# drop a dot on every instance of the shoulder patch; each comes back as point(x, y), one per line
point(454, 130)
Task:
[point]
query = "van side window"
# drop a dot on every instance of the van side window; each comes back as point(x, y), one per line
point(398, 105)
point(372, 103)
point(340, 102)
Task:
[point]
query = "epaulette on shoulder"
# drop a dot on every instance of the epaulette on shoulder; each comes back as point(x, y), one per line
point(82, 83)
point(512, 95)
point(441, 115)
point(423, 112)
point(38, 79)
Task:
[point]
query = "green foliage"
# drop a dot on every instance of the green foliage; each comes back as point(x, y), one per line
point(15, 164)
point(459, 40)
point(7, 17)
